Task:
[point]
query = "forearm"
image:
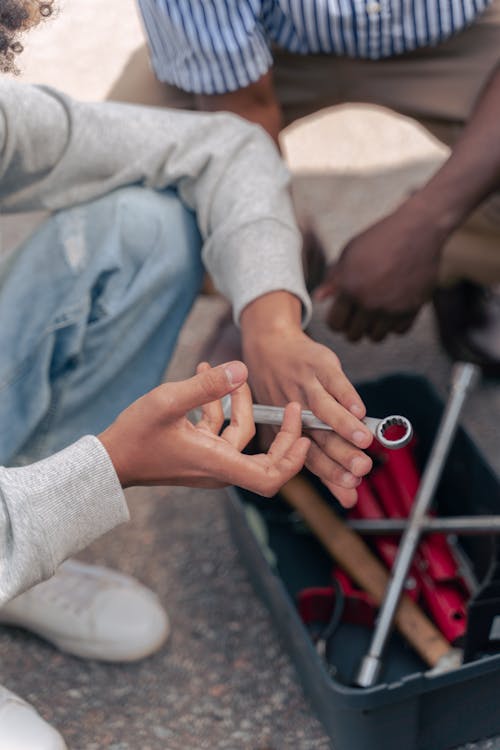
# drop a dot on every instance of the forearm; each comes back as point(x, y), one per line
point(472, 171)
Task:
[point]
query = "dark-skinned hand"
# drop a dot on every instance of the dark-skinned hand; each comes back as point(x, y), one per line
point(384, 275)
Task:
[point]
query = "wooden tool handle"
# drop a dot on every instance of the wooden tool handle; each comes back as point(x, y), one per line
point(352, 554)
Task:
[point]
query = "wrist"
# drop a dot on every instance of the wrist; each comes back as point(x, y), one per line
point(113, 449)
point(456, 189)
point(275, 313)
point(440, 210)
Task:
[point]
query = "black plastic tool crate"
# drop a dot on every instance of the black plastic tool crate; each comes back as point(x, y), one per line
point(409, 709)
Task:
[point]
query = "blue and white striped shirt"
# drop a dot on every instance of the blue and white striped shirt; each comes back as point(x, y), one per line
point(216, 46)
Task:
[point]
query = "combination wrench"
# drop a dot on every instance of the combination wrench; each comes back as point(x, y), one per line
point(380, 428)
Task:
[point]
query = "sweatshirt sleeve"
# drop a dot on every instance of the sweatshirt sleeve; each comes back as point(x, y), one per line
point(51, 509)
point(55, 152)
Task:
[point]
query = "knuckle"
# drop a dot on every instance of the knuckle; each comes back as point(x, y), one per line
point(335, 475)
point(163, 398)
point(348, 425)
point(335, 361)
point(323, 439)
point(315, 403)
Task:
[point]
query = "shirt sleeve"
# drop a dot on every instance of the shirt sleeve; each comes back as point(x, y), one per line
point(55, 153)
point(206, 46)
point(51, 509)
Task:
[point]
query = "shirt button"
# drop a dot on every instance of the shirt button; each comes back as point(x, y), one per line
point(373, 7)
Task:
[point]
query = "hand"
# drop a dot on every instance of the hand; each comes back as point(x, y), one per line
point(285, 364)
point(256, 102)
point(152, 442)
point(385, 274)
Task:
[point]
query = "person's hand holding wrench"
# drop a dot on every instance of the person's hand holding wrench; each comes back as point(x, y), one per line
point(287, 365)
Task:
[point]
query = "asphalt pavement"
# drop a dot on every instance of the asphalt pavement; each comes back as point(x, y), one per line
point(223, 682)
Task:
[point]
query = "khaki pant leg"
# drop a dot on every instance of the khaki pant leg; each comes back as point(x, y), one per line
point(473, 251)
point(437, 86)
point(137, 84)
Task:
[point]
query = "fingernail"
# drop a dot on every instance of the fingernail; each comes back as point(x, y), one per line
point(349, 480)
point(360, 466)
point(357, 410)
point(359, 438)
point(351, 503)
point(236, 373)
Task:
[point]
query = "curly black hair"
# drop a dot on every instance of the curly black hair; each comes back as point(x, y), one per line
point(17, 16)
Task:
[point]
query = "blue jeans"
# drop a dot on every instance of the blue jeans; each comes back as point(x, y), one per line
point(90, 311)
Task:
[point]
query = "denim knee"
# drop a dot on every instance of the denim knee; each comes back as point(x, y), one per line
point(153, 221)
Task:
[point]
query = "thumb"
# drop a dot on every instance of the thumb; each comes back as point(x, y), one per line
point(209, 385)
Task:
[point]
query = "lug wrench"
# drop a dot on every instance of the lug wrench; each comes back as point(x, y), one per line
point(465, 375)
point(459, 525)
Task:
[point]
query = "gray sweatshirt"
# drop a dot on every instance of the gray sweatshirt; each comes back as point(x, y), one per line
point(55, 152)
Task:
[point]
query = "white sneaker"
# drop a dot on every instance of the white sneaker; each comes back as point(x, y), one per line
point(92, 612)
point(22, 728)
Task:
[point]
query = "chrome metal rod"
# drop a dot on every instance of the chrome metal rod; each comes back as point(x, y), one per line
point(460, 525)
point(464, 377)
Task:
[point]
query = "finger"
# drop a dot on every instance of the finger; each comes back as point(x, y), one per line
point(263, 474)
point(386, 324)
point(328, 287)
point(204, 387)
point(340, 418)
point(340, 312)
point(329, 470)
point(286, 467)
point(337, 385)
point(347, 498)
point(359, 324)
point(242, 427)
point(290, 431)
point(336, 448)
point(382, 324)
point(326, 471)
point(405, 322)
point(212, 415)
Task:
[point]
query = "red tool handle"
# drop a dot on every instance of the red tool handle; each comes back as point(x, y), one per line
point(368, 506)
point(315, 604)
point(396, 481)
point(447, 605)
